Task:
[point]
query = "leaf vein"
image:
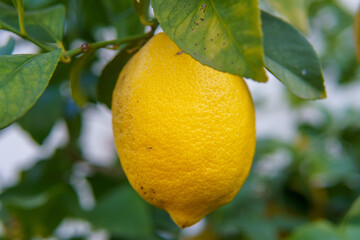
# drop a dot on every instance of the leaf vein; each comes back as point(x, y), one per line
point(225, 27)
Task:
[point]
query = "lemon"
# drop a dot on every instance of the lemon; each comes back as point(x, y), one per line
point(184, 132)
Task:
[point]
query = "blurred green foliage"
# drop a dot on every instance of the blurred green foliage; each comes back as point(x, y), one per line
point(307, 188)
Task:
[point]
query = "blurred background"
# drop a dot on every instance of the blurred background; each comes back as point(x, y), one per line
point(60, 177)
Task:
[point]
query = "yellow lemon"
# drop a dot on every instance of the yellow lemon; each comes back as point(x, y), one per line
point(184, 132)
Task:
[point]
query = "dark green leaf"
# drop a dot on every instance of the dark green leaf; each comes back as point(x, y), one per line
point(117, 7)
point(352, 232)
point(316, 231)
point(27, 202)
point(42, 175)
point(253, 227)
point(85, 16)
point(110, 75)
point(8, 48)
point(163, 221)
point(102, 183)
point(123, 213)
point(77, 92)
point(96, 13)
point(240, 218)
point(73, 119)
point(225, 35)
point(123, 17)
point(39, 4)
point(41, 214)
point(61, 74)
point(18, 4)
point(8, 2)
point(23, 78)
point(348, 70)
point(291, 58)
point(43, 197)
point(35, 123)
point(45, 25)
point(353, 215)
point(127, 23)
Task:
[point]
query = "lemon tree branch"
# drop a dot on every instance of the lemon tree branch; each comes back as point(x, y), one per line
point(116, 42)
point(20, 10)
point(27, 37)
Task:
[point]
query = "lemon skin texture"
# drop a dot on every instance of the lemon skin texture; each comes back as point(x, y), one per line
point(184, 132)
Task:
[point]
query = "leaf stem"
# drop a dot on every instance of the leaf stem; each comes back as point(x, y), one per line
point(63, 58)
point(20, 10)
point(116, 42)
point(27, 37)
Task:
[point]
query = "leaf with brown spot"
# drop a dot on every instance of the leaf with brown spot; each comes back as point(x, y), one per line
point(233, 26)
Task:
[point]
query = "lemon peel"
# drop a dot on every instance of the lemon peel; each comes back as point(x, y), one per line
point(184, 132)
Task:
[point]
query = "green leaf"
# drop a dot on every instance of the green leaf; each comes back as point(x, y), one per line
point(73, 120)
point(352, 232)
point(26, 202)
point(292, 59)
point(46, 25)
point(41, 176)
point(18, 4)
point(249, 226)
point(110, 75)
point(316, 231)
point(77, 92)
point(40, 214)
point(94, 13)
point(162, 221)
point(225, 35)
point(103, 183)
point(38, 4)
point(8, 48)
point(43, 197)
point(353, 215)
point(34, 122)
point(127, 23)
point(123, 213)
point(251, 223)
point(294, 11)
point(23, 78)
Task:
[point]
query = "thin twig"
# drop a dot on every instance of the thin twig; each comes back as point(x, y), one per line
point(97, 45)
point(20, 10)
point(27, 37)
